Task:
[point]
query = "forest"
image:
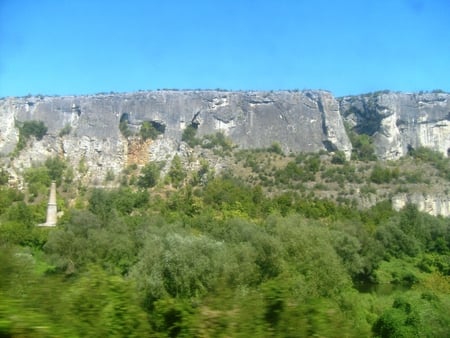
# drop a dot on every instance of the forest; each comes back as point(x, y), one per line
point(257, 250)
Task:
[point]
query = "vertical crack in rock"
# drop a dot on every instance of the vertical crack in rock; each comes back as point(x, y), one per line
point(329, 146)
point(195, 121)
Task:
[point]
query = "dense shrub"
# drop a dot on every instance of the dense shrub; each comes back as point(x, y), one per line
point(28, 129)
point(148, 131)
point(149, 175)
point(189, 134)
point(363, 148)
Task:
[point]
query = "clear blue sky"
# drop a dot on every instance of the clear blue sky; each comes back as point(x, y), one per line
point(348, 47)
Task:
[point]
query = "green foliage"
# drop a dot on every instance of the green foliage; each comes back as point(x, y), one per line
point(338, 158)
point(124, 129)
point(435, 158)
point(82, 166)
point(38, 180)
point(275, 148)
point(178, 265)
point(33, 128)
point(28, 129)
point(149, 175)
point(148, 131)
point(363, 149)
point(217, 142)
point(55, 167)
point(172, 318)
point(85, 238)
point(219, 257)
point(188, 136)
point(176, 173)
point(109, 175)
point(293, 172)
point(7, 197)
point(4, 177)
point(105, 306)
point(66, 130)
point(382, 175)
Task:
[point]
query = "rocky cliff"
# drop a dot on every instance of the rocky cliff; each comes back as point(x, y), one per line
point(299, 121)
point(398, 121)
point(85, 129)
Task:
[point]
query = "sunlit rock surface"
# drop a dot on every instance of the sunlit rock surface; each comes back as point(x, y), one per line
point(84, 130)
point(399, 121)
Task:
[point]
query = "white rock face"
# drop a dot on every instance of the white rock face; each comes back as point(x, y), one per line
point(434, 205)
point(299, 121)
point(400, 121)
point(93, 139)
point(9, 135)
point(307, 121)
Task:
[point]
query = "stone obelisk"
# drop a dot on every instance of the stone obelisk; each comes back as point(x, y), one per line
point(51, 207)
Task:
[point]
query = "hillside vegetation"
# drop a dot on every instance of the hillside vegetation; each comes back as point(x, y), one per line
point(273, 245)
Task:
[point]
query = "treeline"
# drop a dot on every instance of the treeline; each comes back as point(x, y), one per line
point(218, 257)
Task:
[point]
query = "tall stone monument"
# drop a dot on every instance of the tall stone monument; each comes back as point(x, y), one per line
point(51, 208)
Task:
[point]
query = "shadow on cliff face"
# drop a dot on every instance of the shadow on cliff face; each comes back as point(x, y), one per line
point(369, 120)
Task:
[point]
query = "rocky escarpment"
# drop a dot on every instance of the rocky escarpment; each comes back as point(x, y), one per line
point(84, 130)
point(298, 121)
point(435, 205)
point(399, 121)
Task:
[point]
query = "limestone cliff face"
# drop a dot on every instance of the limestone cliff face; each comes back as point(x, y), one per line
point(306, 121)
point(399, 121)
point(432, 204)
point(299, 121)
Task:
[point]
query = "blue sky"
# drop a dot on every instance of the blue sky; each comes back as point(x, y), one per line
point(70, 47)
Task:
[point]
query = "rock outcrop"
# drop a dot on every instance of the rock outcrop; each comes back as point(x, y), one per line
point(433, 204)
point(298, 121)
point(399, 121)
point(84, 130)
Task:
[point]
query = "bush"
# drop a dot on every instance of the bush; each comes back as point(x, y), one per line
point(55, 167)
point(38, 180)
point(363, 149)
point(380, 175)
point(189, 136)
point(28, 129)
point(217, 140)
point(435, 158)
point(275, 148)
point(4, 177)
point(33, 128)
point(148, 131)
point(149, 175)
point(176, 173)
point(66, 130)
point(338, 158)
point(123, 127)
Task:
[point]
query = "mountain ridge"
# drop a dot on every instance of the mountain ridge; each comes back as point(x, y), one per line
point(104, 132)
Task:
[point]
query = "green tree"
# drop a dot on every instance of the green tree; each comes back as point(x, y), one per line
point(38, 180)
point(177, 265)
point(149, 175)
point(363, 148)
point(124, 129)
point(55, 167)
point(176, 172)
point(33, 128)
point(189, 136)
point(28, 129)
point(4, 177)
point(338, 158)
point(101, 305)
point(148, 131)
point(398, 321)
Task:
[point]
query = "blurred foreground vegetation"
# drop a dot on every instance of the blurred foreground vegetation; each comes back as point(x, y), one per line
point(206, 255)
